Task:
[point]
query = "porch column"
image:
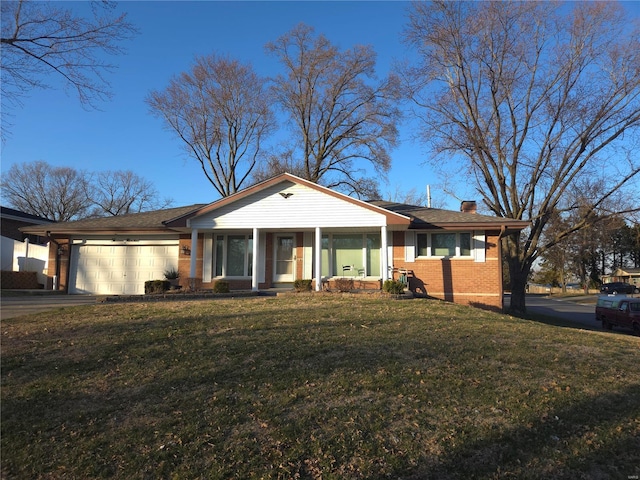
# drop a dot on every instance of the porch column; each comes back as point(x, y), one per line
point(318, 259)
point(254, 263)
point(194, 257)
point(385, 253)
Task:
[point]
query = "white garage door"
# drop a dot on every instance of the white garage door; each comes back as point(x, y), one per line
point(119, 269)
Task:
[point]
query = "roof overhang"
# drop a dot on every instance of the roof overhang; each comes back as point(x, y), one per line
point(64, 233)
point(506, 227)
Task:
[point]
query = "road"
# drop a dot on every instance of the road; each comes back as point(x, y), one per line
point(576, 310)
point(571, 310)
point(23, 305)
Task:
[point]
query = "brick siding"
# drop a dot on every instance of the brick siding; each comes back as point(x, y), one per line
point(456, 280)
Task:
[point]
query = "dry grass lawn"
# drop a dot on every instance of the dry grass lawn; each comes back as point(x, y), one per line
point(314, 386)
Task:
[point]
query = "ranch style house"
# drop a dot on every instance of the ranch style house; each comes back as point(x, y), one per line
point(285, 228)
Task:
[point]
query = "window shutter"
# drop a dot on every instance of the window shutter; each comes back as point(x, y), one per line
point(409, 246)
point(479, 246)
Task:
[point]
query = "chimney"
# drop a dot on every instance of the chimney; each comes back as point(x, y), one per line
point(468, 206)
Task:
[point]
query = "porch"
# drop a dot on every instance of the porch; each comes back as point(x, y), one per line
point(261, 259)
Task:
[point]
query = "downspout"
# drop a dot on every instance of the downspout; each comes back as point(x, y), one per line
point(501, 235)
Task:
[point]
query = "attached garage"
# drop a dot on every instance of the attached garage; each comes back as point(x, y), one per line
point(280, 230)
point(107, 268)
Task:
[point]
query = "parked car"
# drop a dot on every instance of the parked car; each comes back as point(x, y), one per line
point(619, 287)
point(619, 311)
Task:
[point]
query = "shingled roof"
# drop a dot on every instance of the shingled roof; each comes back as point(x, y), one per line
point(135, 222)
point(173, 219)
point(426, 217)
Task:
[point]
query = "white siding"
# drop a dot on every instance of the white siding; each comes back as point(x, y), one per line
point(303, 208)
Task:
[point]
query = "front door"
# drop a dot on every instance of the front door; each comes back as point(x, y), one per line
point(284, 259)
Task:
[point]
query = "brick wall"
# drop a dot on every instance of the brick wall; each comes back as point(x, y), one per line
point(20, 281)
point(63, 263)
point(462, 281)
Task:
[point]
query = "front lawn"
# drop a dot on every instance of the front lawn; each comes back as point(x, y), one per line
point(314, 386)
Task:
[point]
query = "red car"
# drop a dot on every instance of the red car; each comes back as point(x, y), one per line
point(620, 312)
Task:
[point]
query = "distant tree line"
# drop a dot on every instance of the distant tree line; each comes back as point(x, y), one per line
point(63, 193)
point(590, 253)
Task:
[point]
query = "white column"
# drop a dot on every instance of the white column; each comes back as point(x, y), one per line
point(385, 253)
point(194, 256)
point(254, 266)
point(318, 259)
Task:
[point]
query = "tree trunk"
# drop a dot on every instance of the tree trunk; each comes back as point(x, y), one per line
point(519, 275)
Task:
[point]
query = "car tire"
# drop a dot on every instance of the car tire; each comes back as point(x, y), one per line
point(636, 329)
point(606, 325)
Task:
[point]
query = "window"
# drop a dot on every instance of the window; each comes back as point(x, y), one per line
point(373, 254)
point(233, 255)
point(444, 244)
point(347, 250)
point(360, 251)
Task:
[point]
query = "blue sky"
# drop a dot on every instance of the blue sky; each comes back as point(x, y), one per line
point(52, 125)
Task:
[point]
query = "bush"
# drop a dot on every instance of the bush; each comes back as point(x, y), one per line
point(171, 274)
point(344, 284)
point(301, 285)
point(221, 287)
point(393, 286)
point(156, 286)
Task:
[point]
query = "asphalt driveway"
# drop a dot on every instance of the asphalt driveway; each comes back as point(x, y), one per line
point(25, 304)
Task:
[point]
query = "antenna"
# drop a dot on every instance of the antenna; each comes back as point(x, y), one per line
point(429, 196)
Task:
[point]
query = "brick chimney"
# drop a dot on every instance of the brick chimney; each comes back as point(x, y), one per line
point(468, 206)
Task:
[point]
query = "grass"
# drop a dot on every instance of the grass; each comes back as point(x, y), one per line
point(314, 386)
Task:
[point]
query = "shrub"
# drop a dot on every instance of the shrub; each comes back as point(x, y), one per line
point(302, 285)
point(171, 274)
point(393, 286)
point(344, 284)
point(221, 286)
point(156, 286)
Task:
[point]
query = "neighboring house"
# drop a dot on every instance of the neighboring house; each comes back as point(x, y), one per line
point(20, 252)
point(12, 220)
point(284, 229)
point(628, 275)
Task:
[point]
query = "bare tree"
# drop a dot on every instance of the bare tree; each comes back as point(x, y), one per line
point(56, 193)
point(339, 112)
point(44, 39)
point(220, 110)
point(121, 192)
point(63, 193)
point(532, 99)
